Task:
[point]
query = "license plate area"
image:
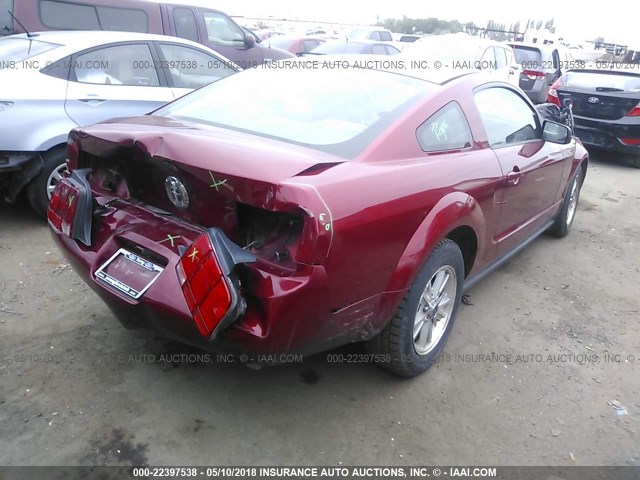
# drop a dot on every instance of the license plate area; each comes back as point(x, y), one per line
point(129, 273)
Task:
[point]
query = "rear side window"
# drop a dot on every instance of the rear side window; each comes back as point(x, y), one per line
point(75, 16)
point(185, 22)
point(374, 36)
point(6, 22)
point(447, 129)
point(130, 65)
point(385, 36)
point(507, 118)
point(68, 16)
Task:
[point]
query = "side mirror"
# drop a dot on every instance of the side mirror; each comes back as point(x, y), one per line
point(249, 40)
point(556, 133)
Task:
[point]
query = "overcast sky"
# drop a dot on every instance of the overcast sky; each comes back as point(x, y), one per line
point(578, 21)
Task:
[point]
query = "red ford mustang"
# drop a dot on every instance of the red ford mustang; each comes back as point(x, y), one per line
point(293, 211)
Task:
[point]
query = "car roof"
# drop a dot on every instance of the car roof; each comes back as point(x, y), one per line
point(540, 46)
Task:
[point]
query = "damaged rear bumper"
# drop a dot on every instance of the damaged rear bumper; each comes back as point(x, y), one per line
point(274, 313)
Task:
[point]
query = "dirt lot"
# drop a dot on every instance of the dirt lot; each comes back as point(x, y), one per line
point(557, 328)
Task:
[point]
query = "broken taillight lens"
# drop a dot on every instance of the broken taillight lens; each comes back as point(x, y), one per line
point(63, 207)
point(207, 291)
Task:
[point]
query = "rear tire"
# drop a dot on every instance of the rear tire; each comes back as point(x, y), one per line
point(416, 334)
point(40, 188)
point(562, 225)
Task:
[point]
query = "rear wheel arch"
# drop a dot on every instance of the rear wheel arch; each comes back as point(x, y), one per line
point(467, 240)
point(457, 217)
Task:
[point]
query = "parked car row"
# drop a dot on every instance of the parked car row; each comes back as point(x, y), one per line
point(196, 22)
point(57, 81)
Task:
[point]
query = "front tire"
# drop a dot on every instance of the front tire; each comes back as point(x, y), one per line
point(567, 214)
point(40, 188)
point(416, 334)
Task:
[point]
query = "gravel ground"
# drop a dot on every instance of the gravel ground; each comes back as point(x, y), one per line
point(542, 369)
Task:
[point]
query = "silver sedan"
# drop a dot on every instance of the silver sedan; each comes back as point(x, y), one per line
point(53, 82)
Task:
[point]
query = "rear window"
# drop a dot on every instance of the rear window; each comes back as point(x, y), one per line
point(340, 112)
point(603, 81)
point(74, 16)
point(528, 57)
point(17, 49)
point(6, 22)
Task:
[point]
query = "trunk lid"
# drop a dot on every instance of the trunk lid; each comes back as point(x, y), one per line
point(601, 94)
point(140, 159)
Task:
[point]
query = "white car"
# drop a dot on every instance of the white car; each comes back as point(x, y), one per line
point(460, 51)
point(53, 82)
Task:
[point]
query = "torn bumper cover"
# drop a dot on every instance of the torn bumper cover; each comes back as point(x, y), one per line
point(192, 285)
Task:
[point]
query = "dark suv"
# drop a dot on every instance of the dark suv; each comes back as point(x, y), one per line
point(207, 26)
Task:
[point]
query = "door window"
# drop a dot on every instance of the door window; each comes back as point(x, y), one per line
point(191, 68)
point(185, 22)
point(506, 117)
point(221, 30)
point(117, 65)
point(501, 57)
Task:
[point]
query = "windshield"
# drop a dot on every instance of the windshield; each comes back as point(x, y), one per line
point(338, 111)
point(359, 34)
point(17, 49)
point(604, 80)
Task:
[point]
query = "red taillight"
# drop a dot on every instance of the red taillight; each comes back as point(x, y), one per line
point(630, 141)
point(206, 289)
point(63, 207)
point(533, 74)
point(552, 94)
point(635, 111)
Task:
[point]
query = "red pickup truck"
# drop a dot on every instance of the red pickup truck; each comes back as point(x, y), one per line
point(192, 20)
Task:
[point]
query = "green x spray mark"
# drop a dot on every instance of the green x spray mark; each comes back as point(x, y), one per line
point(215, 184)
point(171, 239)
